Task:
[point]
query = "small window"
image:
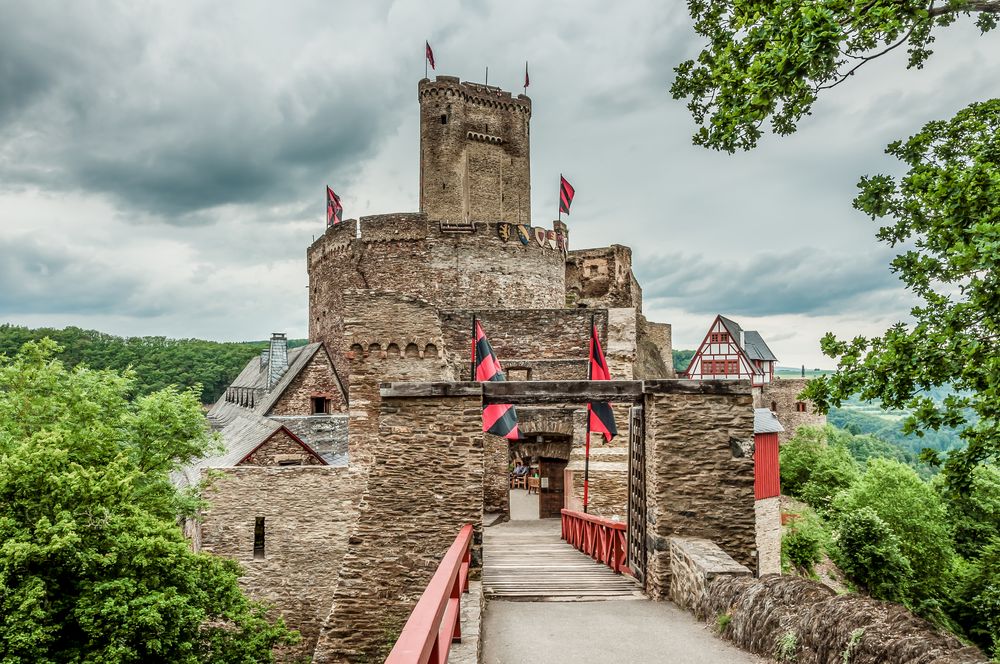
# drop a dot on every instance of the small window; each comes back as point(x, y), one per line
point(800, 406)
point(774, 406)
point(319, 405)
point(290, 462)
point(258, 539)
point(444, 118)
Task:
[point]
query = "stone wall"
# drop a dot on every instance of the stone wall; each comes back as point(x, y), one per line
point(474, 152)
point(316, 379)
point(496, 482)
point(694, 564)
point(608, 488)
point(602, 278)
point(280, 449)
point(307, 511)
point(822, 627)
point(781, 396)
point(407, 254)
point(660, 335)
point(768, 513)
point(699, 482)
point(521, 337)
point(411, 512)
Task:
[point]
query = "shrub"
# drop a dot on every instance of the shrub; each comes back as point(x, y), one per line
point(977, 599)
point(868, 551)
point(802, 543)
point(786, 649)
point(915, 514)
point(799, 456)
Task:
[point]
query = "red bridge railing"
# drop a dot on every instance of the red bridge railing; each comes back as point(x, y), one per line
point(435, 621)
point(602, 539)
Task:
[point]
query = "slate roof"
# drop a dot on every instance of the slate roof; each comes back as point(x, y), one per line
point(753, 344)
point(764, 421)
point(254, 376)
point(242, 429)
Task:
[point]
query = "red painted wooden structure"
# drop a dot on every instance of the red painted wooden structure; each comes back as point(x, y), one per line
point(435, 621)
point(766, 471)
point(601, 539)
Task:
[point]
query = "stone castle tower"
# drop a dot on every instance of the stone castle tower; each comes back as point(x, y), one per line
point(474, 152)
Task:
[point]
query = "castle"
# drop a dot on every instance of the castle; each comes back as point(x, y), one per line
point(316, 449)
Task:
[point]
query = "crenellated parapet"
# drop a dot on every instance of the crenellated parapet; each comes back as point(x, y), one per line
point(477, 94)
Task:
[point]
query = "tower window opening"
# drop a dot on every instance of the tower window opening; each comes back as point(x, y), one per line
point(319, 405)
point(444, 118)
point(258, 539)
point(774, 406)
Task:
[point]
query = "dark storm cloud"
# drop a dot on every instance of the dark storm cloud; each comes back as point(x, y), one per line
point(806, 281)
point(169, 124)
point(40, 278)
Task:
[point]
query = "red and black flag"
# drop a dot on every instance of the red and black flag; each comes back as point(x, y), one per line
point(334, 210)
point(428, 53)
point(498, 419)
point(602, 418)
point(566, 193)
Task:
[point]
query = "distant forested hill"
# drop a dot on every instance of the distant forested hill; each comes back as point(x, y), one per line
point(682, 358)
point(157, 361)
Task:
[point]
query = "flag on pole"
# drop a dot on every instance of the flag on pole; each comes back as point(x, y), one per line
point(429, 54)
point(527, 81)
point(566, 193)
point(498, 419)
point(602, 418)
point(334, 210)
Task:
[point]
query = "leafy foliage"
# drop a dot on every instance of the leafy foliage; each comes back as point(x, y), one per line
point(802, 544)
point(946, 208)
point(93, 566)
point(770, 60)
point(682, 358)
point(158, 362)
point(869, 552)
point(917, 516)
point(977, 603)
point(816, 465)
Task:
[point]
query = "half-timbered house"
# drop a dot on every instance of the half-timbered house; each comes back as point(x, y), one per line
point(730, 352)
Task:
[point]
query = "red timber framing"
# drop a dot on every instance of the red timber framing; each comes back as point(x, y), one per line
point(436, 619)
point(601, 539)
point(720, 357)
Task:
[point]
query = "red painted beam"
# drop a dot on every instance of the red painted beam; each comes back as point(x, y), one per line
point(435, 621)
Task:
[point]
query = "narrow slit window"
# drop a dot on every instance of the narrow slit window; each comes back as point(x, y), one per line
point(258, 539)
point(444, 119)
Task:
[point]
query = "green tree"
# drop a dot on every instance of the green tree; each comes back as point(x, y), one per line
point(916, 515)
point(870, 553)
point(93, 566)
point(977, 606)
point(770, 60)
point(816, 466)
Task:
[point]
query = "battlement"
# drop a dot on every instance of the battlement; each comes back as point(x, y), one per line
point(473, 93)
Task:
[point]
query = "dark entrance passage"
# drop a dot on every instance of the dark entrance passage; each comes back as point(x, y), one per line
point(543, 490)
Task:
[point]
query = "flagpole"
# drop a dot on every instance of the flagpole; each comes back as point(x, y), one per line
point(425, 59)
point(560, 219)
point(586, 457)
point(472, 372)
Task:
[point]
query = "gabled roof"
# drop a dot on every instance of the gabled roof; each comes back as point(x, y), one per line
point(764, 421)
point(254, 376)
point(753, 344)
point(239, 439)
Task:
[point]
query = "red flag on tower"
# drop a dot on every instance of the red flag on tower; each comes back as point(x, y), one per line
point(498, 419)
point(334, 210)
point(429, 54)
point(566, 193)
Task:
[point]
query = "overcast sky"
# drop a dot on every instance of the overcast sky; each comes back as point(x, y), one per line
point(162, 164)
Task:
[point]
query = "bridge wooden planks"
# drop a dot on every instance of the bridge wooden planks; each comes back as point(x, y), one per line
point(527, 560)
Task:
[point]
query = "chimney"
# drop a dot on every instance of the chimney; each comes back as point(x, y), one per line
point(277, 359)
point(743, 335)
point(264, 358)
